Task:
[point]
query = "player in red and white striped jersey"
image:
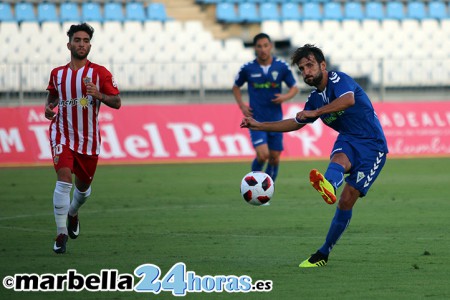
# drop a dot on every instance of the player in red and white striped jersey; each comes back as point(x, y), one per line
point(77, 89)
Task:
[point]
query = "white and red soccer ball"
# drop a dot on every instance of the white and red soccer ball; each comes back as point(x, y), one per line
point(257, 188)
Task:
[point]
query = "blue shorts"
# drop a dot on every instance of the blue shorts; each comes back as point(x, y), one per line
point(274, 140)
point(366, 161)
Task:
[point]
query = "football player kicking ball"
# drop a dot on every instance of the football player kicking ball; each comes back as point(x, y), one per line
point(78, 89)
point(359, 151)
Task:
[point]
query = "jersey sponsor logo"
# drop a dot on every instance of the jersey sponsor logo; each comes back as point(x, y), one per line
point(84, 102)
point(266, 85)
point(330, 118)
point(360, 177)
point(335, 77)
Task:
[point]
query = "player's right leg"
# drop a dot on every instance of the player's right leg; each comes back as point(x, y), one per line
point(62, 161)
point(323, 186)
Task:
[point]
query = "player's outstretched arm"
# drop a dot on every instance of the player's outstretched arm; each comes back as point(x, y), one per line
point(278, 126)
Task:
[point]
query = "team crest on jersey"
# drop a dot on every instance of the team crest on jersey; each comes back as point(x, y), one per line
point(360, 177)
point(274, 75)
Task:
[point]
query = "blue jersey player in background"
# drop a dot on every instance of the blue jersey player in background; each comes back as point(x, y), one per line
point(264, 77)
point(360, 149)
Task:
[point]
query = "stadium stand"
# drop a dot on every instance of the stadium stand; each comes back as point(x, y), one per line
point(416, 10)
point(6, 14)
point(353, 10)
point(134, 11)
point(374, 10)
point(332, 11)
point(290, 11)
point(437, 10)
point(25, 12)
point(248, 12)
point(112, 11)
point(269, 11)
point(46, 12)
point(69, 11)
point(395, 10)
point(147, 46)
point(91, 11)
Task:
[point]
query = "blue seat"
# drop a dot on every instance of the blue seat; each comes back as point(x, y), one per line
point(134, 11)
point(437, 10)
point(25, 12)
point(47, 12)
point(90, 11)
point(112, 11)
point(332, 11)
point(226, 12)
point(353, 10)
point(374, 10)
point(68, 11)
point(395, 10)
point(248, 12)
point(416, 10)
point(269, 11)
point(157, 11)
point(290, 11)
point(311, 11)
point(6, 14)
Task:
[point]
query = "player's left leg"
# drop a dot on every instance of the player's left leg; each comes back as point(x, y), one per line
point(84, 170)
point(275, 144)
point(259, 141)
point(338, 225)
point(273, 164)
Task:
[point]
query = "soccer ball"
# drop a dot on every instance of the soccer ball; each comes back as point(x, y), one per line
point(257, 188)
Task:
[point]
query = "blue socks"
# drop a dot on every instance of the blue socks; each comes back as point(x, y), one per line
point(335, 174)
point(256, 166)
point(272, 171)
point(338, 225)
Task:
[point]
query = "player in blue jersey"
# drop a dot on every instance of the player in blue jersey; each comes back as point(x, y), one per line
point(264, 77)
point(360, 149)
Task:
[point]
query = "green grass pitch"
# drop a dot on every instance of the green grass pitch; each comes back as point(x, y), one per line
point(396, 247)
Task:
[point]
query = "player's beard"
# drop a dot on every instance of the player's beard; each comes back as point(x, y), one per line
point(75, 54)
point(315, 81)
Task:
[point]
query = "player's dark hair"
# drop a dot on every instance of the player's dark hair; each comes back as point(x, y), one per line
point(260, 36)
point(306, 51)
point(80, 27)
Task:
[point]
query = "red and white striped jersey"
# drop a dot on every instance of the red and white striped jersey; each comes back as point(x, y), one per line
point(76, 123)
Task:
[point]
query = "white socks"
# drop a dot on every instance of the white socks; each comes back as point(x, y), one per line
point(61, 203)
point(78, 199)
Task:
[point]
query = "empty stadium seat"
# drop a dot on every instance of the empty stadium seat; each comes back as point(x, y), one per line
point(353, 10)
point(311, 11)
point(269, 11)
point(248, 12)
point(332, 11)
point(226, 12)
point(47, 12)
point(112, 11)
point(134, 11)
point(395, 10)
point(68, 11)
point(90, 11)
point(374, 10)
point(25, 12)
point(157, 11)
point(437, 10)
point(416, 10)
point(290, 11)
point(6, 14)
